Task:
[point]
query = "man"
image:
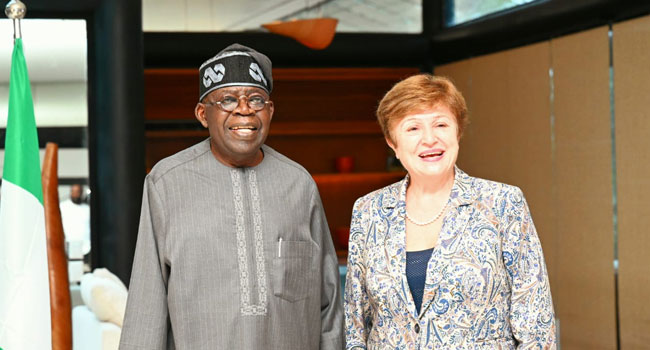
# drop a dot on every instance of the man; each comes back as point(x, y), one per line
point(75, 215)
point(234, 251)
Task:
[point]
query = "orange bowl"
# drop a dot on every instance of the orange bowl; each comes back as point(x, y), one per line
point(315, 33)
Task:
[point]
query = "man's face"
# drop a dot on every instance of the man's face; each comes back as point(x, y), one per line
point(236, 137)
point(75, 193)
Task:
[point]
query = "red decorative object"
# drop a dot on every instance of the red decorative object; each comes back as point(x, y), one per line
point(344, 164)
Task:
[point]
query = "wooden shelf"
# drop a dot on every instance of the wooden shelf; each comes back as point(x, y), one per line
point(296, 74)
point(372, 177)
point(299, 94)
point(342, 74)
point(311, 128)
point(299, 141)
point(176, 134)
point(315, 128)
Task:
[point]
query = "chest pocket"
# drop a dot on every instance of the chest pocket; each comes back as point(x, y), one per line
point(292, 273)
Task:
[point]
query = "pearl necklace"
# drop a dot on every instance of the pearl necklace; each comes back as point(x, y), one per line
point(426, 222)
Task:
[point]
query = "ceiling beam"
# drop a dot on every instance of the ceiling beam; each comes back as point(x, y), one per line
point(189, 50)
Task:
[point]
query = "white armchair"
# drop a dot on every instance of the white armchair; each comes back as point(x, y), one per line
point(97, 324)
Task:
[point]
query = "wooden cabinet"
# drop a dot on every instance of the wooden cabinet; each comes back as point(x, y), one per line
point(321, 114)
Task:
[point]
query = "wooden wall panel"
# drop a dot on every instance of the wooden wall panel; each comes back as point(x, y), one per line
point(170, 94)
point(508, 138)
point(585, 297)
point(528, 149)
point(460, 74)
point(632, 83)
point(484, 145)
point(565, 170)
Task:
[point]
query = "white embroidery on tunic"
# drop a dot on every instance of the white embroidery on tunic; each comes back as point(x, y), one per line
point(259, 240)
point(245, 300)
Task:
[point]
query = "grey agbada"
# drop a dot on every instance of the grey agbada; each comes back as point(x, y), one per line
point(232, 258)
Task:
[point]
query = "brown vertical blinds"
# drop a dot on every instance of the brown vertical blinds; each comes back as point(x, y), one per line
point(631, 53)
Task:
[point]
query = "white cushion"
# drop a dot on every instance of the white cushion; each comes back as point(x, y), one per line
point(104, 273)
point(105, 295)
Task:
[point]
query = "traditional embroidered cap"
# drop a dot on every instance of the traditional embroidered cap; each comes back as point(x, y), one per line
point(235, 65)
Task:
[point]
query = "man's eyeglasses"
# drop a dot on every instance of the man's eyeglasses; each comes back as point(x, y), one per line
point(229, 103)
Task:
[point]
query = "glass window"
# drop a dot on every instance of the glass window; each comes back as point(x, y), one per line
point(461, 11)
point(355, 16)
point(368, 16)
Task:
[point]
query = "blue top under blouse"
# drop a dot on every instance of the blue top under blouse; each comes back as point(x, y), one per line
point(416, 273)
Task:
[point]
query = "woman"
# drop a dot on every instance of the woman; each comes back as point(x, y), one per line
point(442, 260)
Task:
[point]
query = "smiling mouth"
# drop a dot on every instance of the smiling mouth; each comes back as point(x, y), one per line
point(431, 154)
point(243, 129)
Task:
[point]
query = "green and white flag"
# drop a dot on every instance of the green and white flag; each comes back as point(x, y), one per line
point(24, 284)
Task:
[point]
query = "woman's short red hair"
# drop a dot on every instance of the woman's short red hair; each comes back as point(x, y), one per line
point(418, 93)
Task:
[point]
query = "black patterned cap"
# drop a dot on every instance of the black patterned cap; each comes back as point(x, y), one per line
point(236, 65)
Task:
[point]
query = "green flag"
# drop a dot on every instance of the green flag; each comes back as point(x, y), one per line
point(24, 284)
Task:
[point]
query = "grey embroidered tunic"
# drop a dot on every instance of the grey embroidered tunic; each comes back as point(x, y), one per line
point(232, 258)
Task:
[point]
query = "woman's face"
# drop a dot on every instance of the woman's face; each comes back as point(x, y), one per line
point(426, 142)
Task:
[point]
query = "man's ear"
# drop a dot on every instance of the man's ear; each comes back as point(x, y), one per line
point(271, 109)
point(199, 113)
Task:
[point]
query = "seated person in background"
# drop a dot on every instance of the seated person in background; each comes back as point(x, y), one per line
point(75, 215)
point(441, 259)
point(233, 250)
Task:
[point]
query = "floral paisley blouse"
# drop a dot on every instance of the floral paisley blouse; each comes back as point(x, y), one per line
point(486, 285)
